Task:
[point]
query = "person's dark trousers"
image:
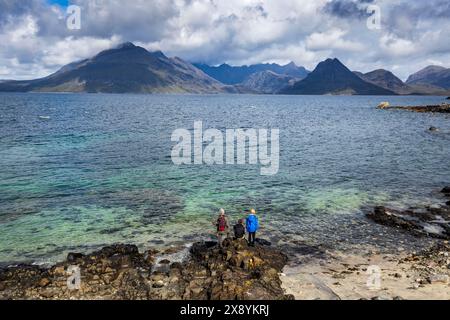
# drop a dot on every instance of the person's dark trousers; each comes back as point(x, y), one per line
point(251, 238)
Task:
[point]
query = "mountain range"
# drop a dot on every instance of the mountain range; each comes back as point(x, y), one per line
point(132, 69)
point(236, 75)
point(389, 81)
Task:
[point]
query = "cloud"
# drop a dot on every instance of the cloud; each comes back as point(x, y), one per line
point(332, 39)
point(34, 39)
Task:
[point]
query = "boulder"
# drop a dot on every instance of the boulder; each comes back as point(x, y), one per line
point(384, 105)
point(446, 190)
point(72, 257)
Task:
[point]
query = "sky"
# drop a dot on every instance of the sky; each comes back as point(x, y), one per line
point(35, 40)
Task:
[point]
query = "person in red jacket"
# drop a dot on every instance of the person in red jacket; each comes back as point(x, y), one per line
point(222, 227)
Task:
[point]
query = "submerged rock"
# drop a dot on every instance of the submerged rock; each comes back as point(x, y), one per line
point(121, 272)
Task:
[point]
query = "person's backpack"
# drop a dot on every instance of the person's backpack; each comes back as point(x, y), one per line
point(221, 224)
point(239, 231)
point(252, 223)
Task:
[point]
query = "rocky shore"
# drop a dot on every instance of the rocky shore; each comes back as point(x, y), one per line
point(442, 108)
point(240, 272)
point(371, 273)
point(121, 272)
point(432, 221)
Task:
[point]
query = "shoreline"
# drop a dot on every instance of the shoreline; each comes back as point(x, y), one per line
point(202, 271)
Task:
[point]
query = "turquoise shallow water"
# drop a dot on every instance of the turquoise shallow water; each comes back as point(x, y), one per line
point(98, 170)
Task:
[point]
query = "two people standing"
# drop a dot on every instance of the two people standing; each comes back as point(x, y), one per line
point(250, 224)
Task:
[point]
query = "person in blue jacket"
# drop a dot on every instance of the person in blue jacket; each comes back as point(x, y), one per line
point(252, 225)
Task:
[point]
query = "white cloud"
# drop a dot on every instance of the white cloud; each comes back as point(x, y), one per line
point(332, 39)
point(34, 40)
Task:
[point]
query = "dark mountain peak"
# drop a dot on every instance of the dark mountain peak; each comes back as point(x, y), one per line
point(123, 69)
point(332, 62)
point(126, 45)
point(333, 77)
point(331, 65)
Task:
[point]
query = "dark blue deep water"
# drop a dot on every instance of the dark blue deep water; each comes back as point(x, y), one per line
point(81, 171)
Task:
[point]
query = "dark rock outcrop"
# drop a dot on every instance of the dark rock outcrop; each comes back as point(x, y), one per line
point(121, 272)
point(432, 222)
point(442, 108)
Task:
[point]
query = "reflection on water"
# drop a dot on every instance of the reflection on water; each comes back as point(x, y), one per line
point(99, 171)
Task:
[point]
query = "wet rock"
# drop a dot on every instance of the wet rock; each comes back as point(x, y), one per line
point(120, 272)
point(158, 284)
point(164, 261)
point(441, 108)
point(72, 257)
point(431, 221)
point(176, 265)
point(263, 242)
point(44, 282)
point(446, 190)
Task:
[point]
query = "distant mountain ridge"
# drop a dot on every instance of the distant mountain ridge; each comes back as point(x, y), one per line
point(268, 82)
point(124, 69)
point(128, 68)
point(388, 80)
point(232, 75)
point(332, 77)
point(432, 75)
